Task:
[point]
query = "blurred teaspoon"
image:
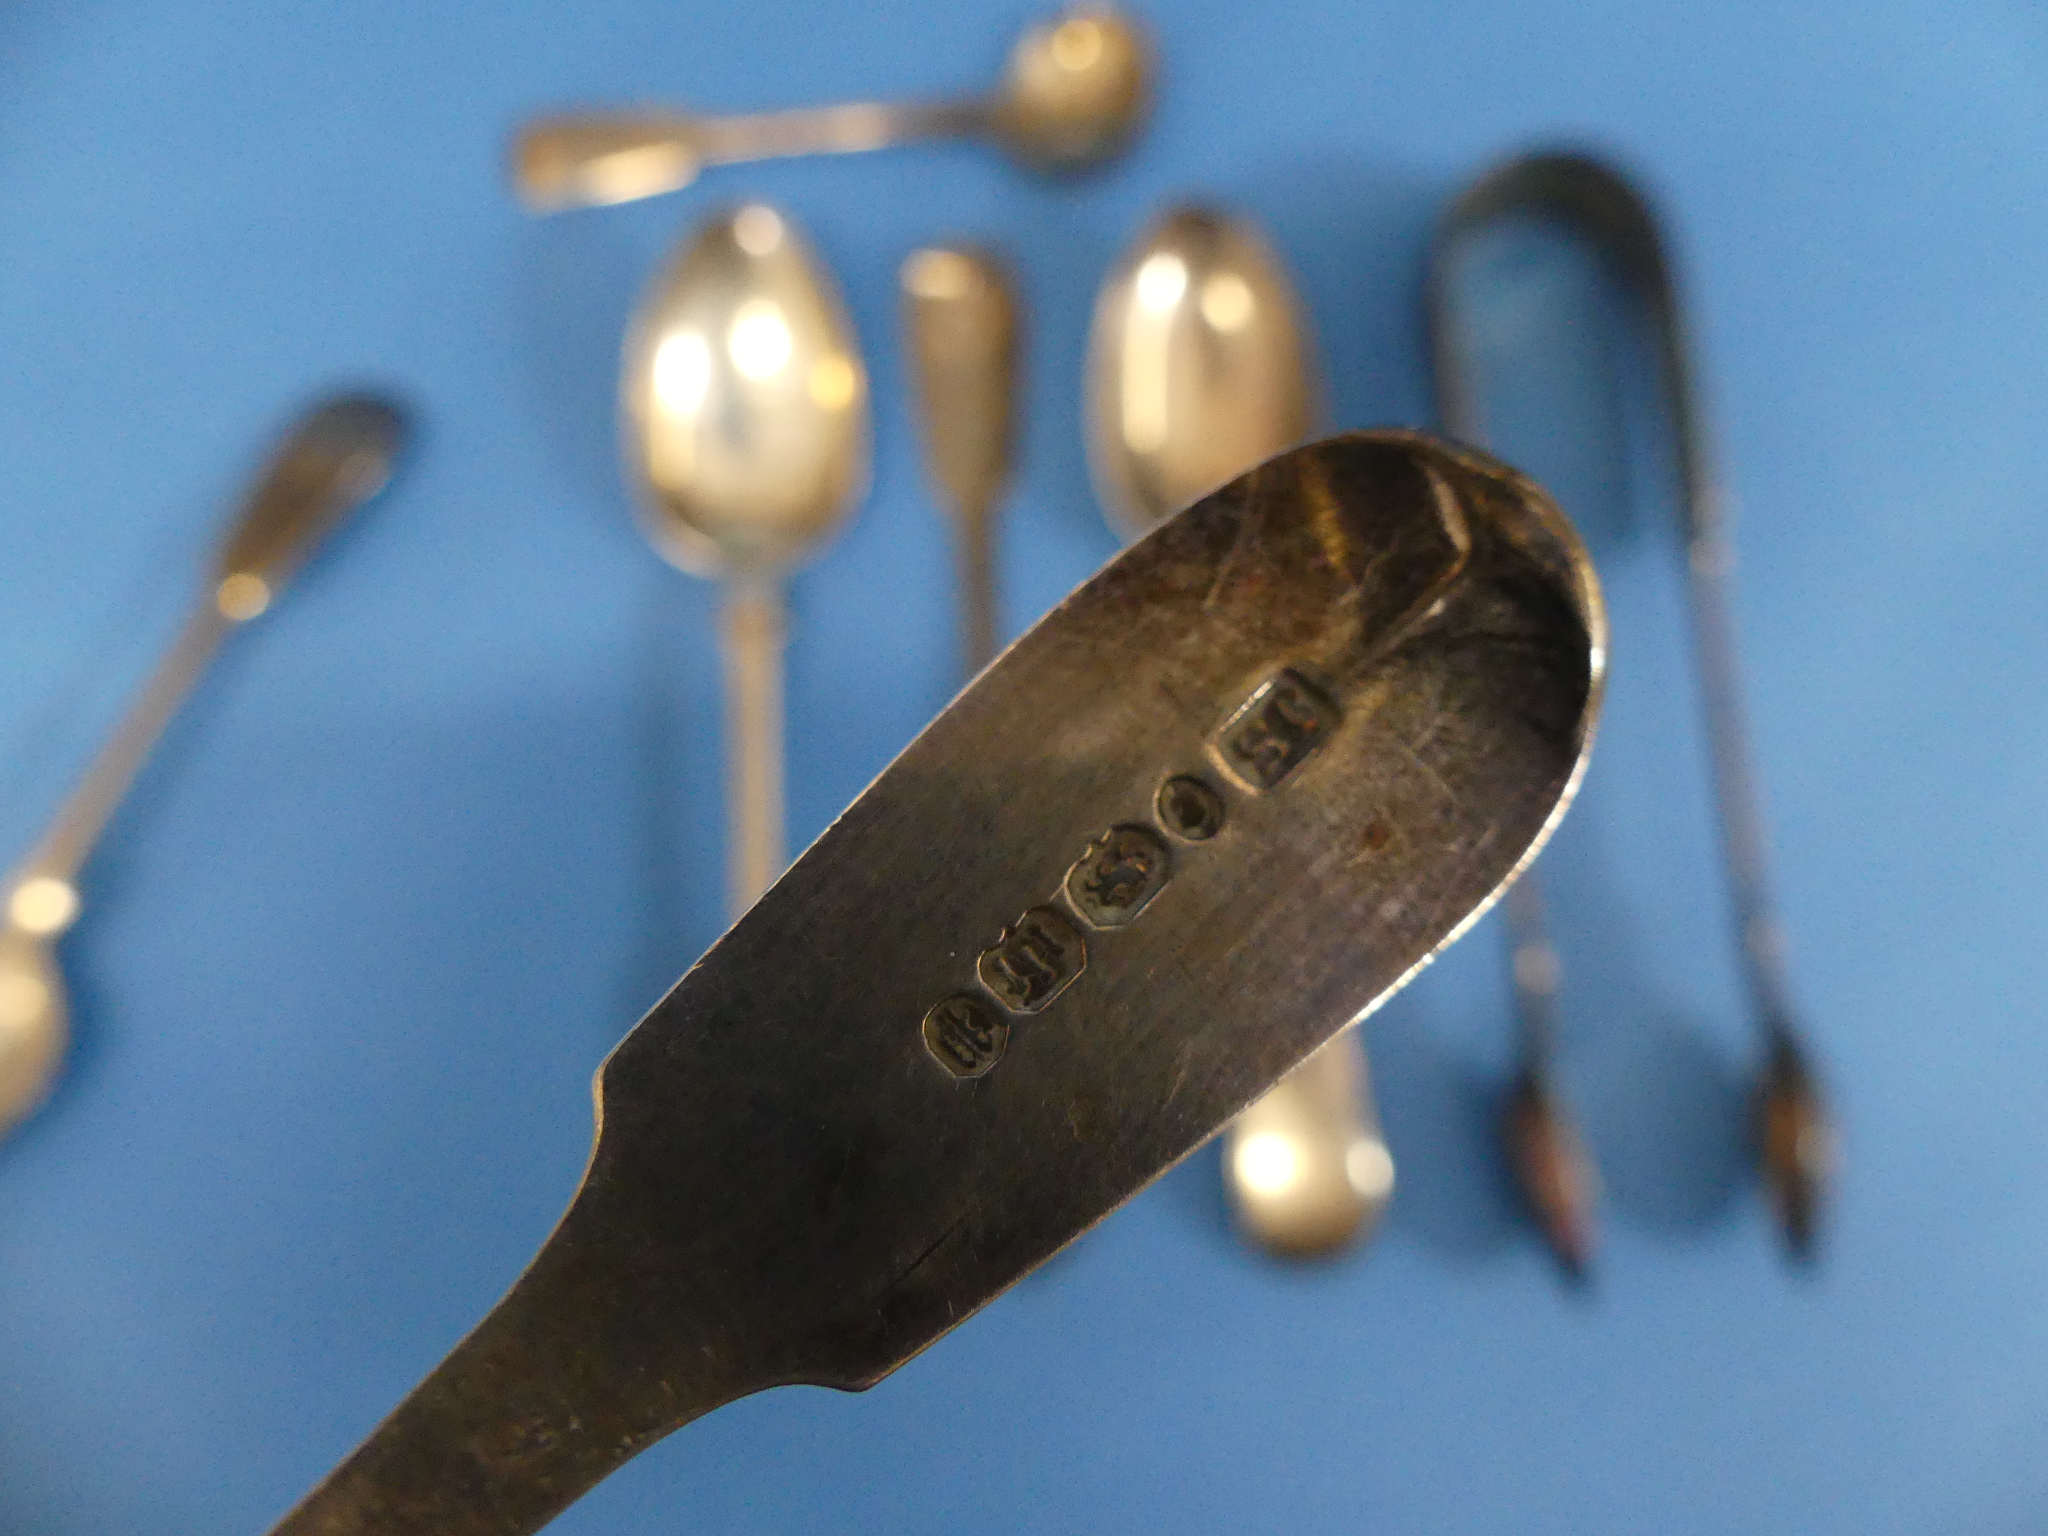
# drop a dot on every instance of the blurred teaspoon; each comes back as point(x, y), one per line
point(1198, 368)
point(1076, 90)
point(336, 457)
point(746, 438)
point(962, 317)
point(1090, 913)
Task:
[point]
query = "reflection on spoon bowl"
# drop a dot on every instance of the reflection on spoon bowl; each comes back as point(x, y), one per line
point(33, 1023)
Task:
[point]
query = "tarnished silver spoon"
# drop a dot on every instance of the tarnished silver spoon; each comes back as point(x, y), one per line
point(1076, 90)
point(1213, 808)
point(337, 456)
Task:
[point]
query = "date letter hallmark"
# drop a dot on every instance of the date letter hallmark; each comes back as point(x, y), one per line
point(1033, 961)
point(1121, 871)
point(1274, 731)
point(965, 1035)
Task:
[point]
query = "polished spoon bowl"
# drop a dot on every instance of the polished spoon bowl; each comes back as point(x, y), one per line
point(1198, 367)
point(1090, 913)
point(337, 456)
point(746, 439)
point(1077, 89)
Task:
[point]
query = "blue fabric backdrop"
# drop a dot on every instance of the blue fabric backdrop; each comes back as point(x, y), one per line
point(435, 835)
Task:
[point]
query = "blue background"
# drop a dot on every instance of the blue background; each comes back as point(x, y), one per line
point(441, 826)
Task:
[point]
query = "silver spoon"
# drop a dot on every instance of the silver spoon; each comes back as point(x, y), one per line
point(961, 311)
point(1076, 90)
point(337, 456)
point(746, 439)
point(1090, 913)
point(1197, 368)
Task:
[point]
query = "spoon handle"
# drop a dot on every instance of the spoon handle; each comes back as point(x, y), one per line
point(752, 629)
point(836, 130)
point(336, 456)
point(961, 310)
point(974, 541)
point(79, 822)
point(593, 159)
point(824, 1149)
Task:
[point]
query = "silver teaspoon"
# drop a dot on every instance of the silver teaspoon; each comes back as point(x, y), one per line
point(1076, 90)
point(337, 456)
point(746, 436)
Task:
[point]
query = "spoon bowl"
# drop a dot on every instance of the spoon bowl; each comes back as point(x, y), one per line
point(745, 402)
point(1306, 1175)
point(1197, 367)
point(34, 1023)
point(1077, 90)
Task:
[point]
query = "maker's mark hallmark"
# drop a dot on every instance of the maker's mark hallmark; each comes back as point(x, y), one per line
point(1034, 960)
point(1038, 957)
point(1122, 870)
point(1274, 731)
point(965, 1035)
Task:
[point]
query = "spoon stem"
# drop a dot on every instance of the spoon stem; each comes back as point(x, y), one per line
point(752, 627)
point(844, 129)
point(64, 847)
point(974, 539)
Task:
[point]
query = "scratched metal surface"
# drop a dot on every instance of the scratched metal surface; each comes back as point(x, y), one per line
point(885, 1095)
point(435, 836)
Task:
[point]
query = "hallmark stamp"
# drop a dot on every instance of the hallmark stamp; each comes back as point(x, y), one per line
point(1034, 960)
point(1189, 809)
point(1274, 731)
point(1122, 870)
point(965, 1035)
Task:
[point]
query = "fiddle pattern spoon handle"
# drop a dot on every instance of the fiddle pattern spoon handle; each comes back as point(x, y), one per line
point(960, 308)
point(335, 457)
